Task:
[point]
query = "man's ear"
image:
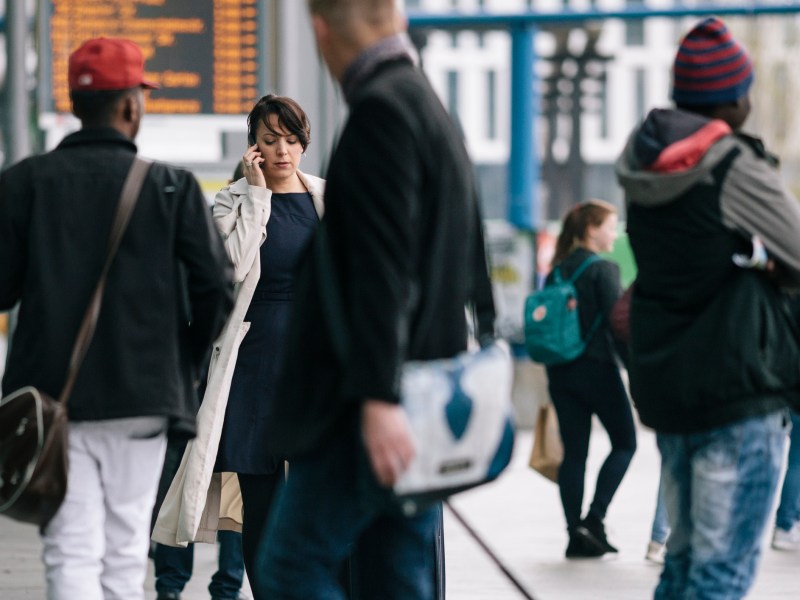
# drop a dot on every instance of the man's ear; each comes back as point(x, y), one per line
point(130, 108)
point(322, 32)
point(400, 21)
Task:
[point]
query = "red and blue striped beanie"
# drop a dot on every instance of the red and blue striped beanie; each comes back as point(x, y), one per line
point(711, 67)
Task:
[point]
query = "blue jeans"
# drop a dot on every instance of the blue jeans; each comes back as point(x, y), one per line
point(322, 514)
point(718, 488)
point(789, 507)
point(173, 567)
point(660, 531)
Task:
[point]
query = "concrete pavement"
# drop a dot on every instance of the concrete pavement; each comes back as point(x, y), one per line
point(520, 518)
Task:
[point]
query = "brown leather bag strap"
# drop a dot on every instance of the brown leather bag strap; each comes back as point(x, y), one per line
point(127, 202)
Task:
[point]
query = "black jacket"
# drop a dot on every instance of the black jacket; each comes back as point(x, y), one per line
point(171, 268)
point(597, 288)
point(403, 242)
point(711, 342)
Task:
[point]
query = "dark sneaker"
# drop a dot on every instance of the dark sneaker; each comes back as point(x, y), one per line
point(593, 527)
point(582, 546)
point(168, 596)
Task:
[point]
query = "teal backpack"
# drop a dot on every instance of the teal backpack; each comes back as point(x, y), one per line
point(552, 326)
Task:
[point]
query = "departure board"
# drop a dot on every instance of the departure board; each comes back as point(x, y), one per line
point(203, 53)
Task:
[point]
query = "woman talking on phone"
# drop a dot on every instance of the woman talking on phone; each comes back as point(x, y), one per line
point(266, 219)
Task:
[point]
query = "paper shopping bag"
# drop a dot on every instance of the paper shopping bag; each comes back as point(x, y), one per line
point(548, 451)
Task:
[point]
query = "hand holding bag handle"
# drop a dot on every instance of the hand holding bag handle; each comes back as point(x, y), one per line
point(34, 426)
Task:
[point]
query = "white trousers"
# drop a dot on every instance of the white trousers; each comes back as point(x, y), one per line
point(95, 548)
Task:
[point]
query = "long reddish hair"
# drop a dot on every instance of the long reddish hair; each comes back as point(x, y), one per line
point(576, 222)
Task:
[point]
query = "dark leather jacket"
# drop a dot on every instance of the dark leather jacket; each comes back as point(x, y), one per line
point(167, 294)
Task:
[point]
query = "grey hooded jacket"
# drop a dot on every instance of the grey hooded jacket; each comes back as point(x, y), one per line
point(711, 342)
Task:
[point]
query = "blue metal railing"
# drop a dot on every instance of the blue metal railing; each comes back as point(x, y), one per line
point(523, 164)
point(483, 20)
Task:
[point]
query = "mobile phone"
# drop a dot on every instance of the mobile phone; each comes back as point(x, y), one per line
point(251, 139)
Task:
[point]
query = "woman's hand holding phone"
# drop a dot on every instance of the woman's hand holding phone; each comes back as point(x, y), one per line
point(252, 167)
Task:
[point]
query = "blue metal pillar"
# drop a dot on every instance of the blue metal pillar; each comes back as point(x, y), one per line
point(523, 164)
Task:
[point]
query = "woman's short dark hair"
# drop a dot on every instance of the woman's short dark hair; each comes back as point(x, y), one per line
point(291, 117)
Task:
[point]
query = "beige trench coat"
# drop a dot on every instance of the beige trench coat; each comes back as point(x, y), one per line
point(199, 502)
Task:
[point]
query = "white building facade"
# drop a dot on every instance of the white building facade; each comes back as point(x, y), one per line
point(471, 72)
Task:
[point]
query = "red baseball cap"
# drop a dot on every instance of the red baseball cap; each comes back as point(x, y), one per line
point(107, 64)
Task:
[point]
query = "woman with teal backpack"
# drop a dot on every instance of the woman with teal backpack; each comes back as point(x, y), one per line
point(590, 384)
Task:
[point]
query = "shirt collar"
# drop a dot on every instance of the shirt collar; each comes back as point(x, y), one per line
point(93, 135)
point(394, 47)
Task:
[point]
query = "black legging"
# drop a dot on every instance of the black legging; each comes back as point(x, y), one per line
point(578, 390)
point(258, 494)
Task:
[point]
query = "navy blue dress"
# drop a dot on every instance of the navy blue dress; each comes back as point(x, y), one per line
point(291, 224)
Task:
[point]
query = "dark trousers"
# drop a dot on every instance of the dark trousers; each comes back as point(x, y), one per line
point(361, 563)
point(579, 390)
point(258, 495)
point(322, 514)
point(173, 566)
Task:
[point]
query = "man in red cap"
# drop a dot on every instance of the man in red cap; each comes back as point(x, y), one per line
point(714, 355)
point(167, 295)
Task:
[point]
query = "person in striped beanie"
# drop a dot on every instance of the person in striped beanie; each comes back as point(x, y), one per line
point(712, 354)
point(711, 68)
